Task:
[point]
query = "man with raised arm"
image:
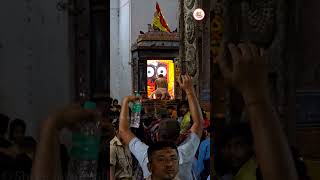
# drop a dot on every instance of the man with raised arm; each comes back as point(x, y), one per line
point(168, 130)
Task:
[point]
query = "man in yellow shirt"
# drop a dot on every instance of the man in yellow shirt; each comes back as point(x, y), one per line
point(238, 153)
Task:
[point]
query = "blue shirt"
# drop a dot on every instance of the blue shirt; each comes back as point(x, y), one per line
point(204, 154)
point(186, 150)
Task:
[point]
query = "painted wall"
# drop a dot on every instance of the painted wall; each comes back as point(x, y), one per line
point(35, 72)
point(124, 71)
point(114, 49)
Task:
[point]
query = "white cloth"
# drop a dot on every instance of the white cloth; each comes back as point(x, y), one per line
point(162, 91)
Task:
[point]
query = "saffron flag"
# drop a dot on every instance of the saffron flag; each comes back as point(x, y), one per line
point(158, 21)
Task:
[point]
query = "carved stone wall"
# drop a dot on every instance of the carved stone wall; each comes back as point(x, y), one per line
point(262, 22)
point(189, 39)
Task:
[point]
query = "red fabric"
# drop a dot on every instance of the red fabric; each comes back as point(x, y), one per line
point(206, 123)
point(162, 20)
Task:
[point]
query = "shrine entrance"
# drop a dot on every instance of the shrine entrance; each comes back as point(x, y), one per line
point(155, 54)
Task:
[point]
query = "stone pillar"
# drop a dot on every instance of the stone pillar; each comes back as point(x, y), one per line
point(82, 48)
point(100, 58)
point(189, 40)
point(205, 61)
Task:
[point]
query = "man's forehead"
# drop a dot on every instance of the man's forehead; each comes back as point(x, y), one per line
point(165, 151)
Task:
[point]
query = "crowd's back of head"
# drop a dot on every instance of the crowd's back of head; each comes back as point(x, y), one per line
point(169, 129)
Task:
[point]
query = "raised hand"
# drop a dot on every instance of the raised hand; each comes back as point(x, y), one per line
point(248, 73)
point(186, 83)
point(71, 115)
point(131, 98)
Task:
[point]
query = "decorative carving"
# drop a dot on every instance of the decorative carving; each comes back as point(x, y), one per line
point(217, 7)
point(178, 91)
point(190, 53)
point(188, 34)
point(190, 29)
point(191, 60)
point(250, 21)
point(190, 3)
point(261, 20)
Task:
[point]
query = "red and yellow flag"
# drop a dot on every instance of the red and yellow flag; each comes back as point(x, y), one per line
point(158, 20)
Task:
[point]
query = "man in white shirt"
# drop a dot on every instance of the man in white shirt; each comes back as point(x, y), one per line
point(168, 130)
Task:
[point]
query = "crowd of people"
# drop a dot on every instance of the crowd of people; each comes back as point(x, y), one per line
point(173, 146)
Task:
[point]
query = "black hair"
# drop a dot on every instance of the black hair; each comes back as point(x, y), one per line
point(204, 115)
point(171, 107)
point(115, 100)
point(209, 129)
point(160, 145)
point(169, 129)
point(237, 130)
point(181, 104)
point(14, 124)
point(222, 137)
point(160, 75)
point(4, 122)
point(115, 124)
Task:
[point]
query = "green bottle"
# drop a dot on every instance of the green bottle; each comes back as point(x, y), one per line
point(136, 111)
point(85, 148)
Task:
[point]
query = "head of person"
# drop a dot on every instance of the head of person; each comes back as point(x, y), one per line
point(183, 108)
point(170, 109)
point(237, 145)
point(17, 130)
point(115, 102)
point(161, 76)
point(107, 131)
point(207, 131)
point(163, 160)
point(4, 122)
point(115, 125)
point(204, 114)
point(169, 129)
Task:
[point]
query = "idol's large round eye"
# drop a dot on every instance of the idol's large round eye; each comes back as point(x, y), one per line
point(162, 70)
point(150, 71)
